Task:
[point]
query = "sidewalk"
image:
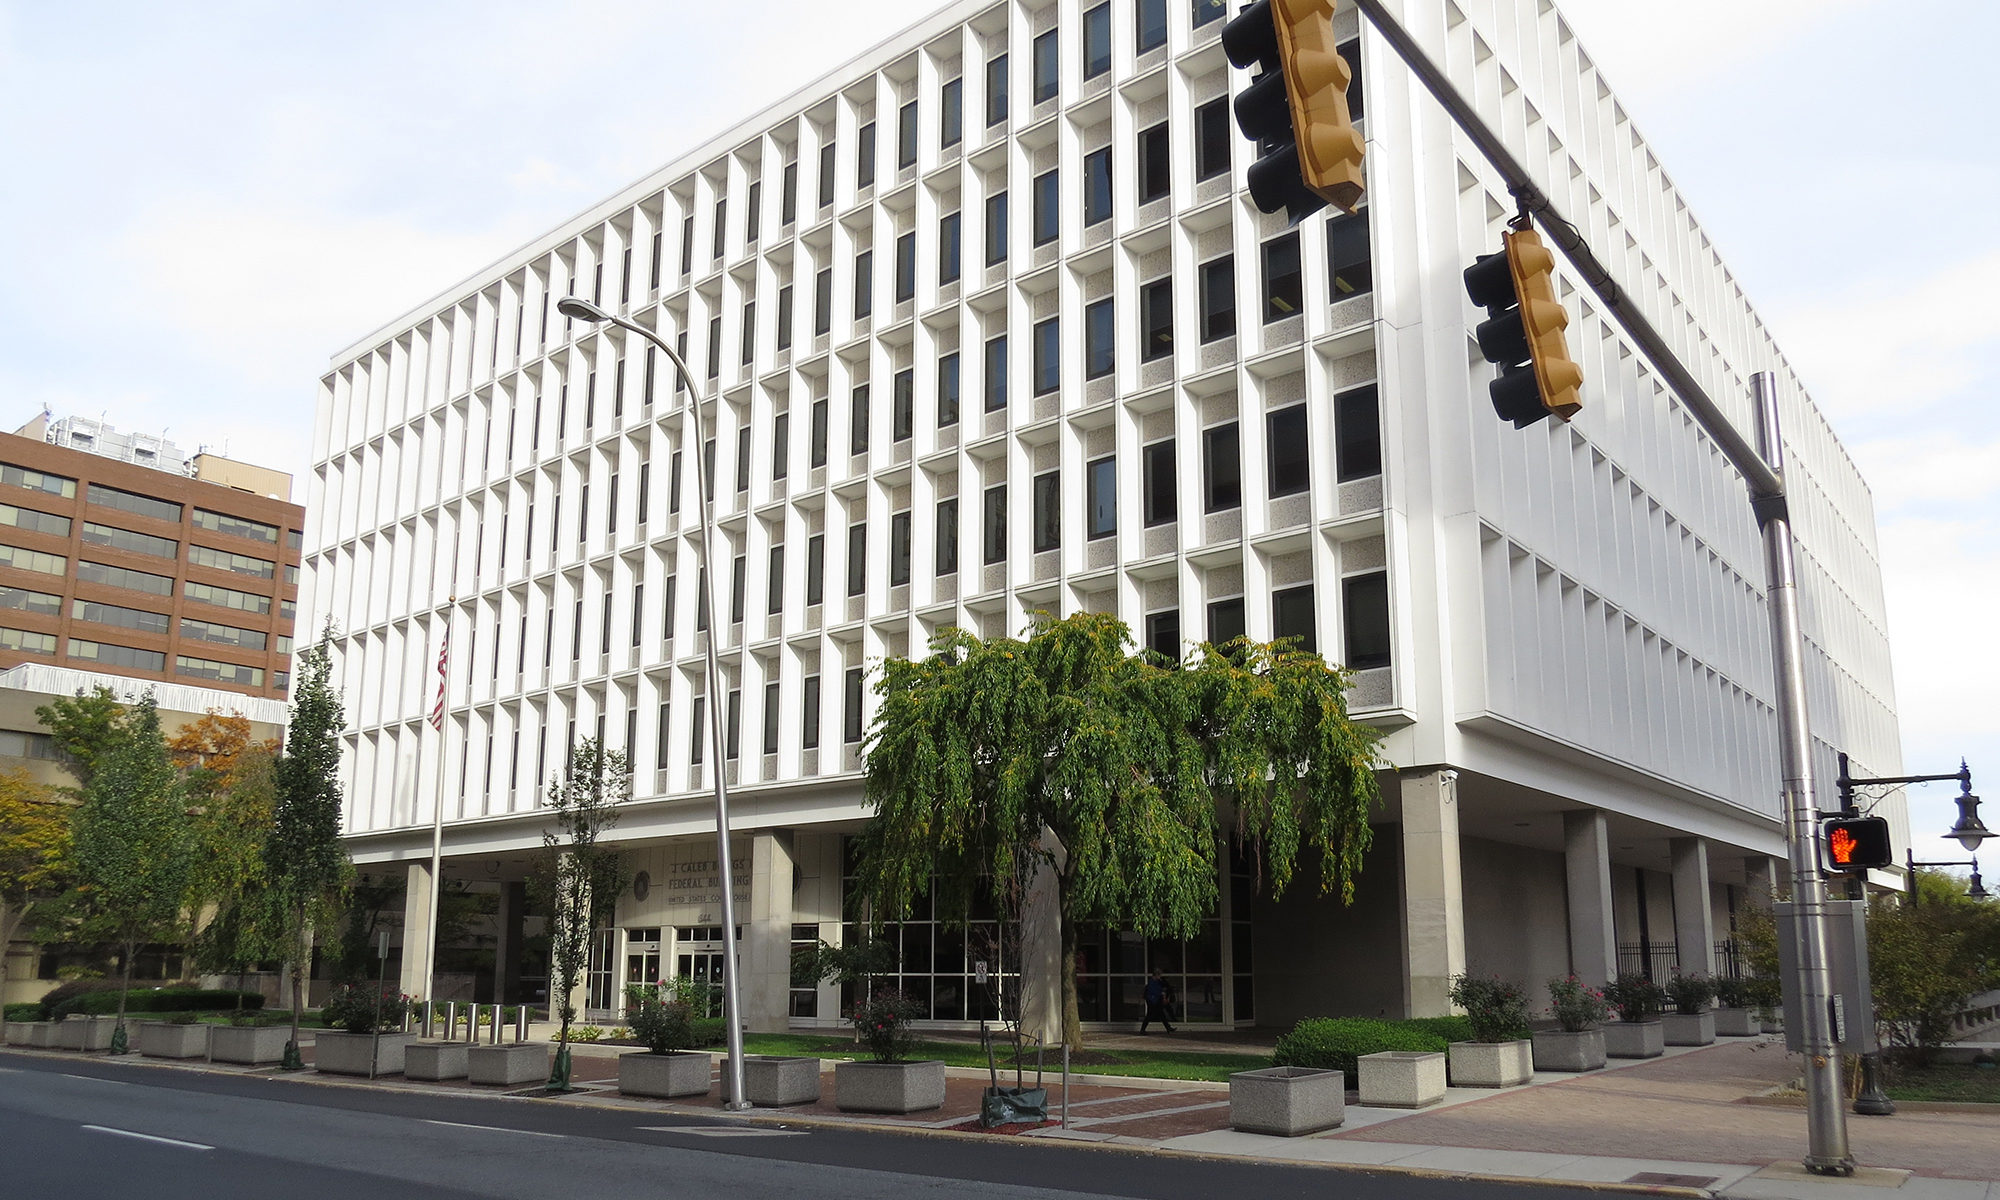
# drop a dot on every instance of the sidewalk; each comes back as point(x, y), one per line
point(1699, 1121)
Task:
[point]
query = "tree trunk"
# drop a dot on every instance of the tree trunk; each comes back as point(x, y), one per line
point(1072, 1025)
point(298, 971)
point(124, 991)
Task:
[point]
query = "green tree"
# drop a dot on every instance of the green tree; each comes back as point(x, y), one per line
point(578, 880)
point(1138, 769)
point(231, 812)
point(1927, 960)
point(132, 845)
point(34, 856)
point(84, 728)
point(305, 862)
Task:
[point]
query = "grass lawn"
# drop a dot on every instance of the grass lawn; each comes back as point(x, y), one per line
point(1959, 1082)
point(1163, 1064)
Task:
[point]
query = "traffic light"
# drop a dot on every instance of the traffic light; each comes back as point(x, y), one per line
point(1298, 102)
point(1524, 333)
point(1858, 844)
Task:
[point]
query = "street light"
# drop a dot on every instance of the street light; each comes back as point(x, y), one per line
point(584, 310)
point(1969, 831)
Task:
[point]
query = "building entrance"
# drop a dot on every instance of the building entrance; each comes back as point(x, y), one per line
point(698, 956)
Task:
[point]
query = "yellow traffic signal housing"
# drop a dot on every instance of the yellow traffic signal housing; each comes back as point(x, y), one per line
point(1557, 376)
point(1316, 79)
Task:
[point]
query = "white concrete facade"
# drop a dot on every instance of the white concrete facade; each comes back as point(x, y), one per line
point(1574, 618)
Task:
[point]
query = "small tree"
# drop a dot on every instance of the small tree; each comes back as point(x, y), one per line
point(578, 881)
point(229, 890)
point(1925, 961)
point(304, 859)
point(84, 728)
point(132, 846)
point(34, 856)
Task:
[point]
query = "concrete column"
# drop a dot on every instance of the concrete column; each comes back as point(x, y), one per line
point(505, 941)
point(1694, 913)
point(766, 960)
point(1042, 962)
point(1760, 880)
point(1433, 893)
point(1593, 938)
point(417, 932)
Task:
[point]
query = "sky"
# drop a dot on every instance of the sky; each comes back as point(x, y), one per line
point(203, 202)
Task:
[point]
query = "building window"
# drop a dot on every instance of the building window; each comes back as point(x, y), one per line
point(1156, 319)
point(48, 605)
point(1357, 434)
point(1047, 355)
point(864, 158)
point(899, 549)
point(851, 720)
point(947, 390)
point(994, 526)
point(784, 333)
point(714, 361)
point(774, 583)
point(112, 655)
point(809, 713)
point(1047, 207)
point(739, 578)
point(37, 481)
point(788, 197)
point(1351, 51)
point(1349, 268)
point(666, 613)
point(1285, 444)
point(781, 445)
point(996, 90)
point(1364, 602)
point(1284, 289)
point(673, 485)
point(1155, 164)
point(771, 699)
point(815, 569)
point(241, 527)
point(823, 301)
point(1211, 139)
point(996, 373)
point(1100, 340)
point(906, 267)
point(948, 226)
point(816, 449)
point(1209, 10)
point(826, 175)
point(1158, 472)
point(1097, 186)
point(857, 559)
point(1097, 41)
point(951, 112)
point(698, 730)
point(1221, 468)
point(1292, 617)
point(1045, 67)
point(1225, 621)
point(1100, 509)
point(687, 254)
point(996, 228)
point(1163, 634)
point(133, 618)
point(858, 417)
point(753, 211)
point(1048, 511)
point(144, 506)
point(643, 504)
point(864, 283)
point(748, 351)
point(947, 537)
point(906, 135)
point(720, 237)
point(742, 459)
point(603, 630)
point(638, 613)
point(94, 534)
point(1217, 286)
point(1152, 24)
point(903, 407)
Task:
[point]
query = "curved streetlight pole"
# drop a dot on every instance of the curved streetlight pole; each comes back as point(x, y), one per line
point(583, 310)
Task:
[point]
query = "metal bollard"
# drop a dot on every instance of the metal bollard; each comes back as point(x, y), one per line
point(430, 1014)
point(472, 1023)
point(493, 1039)
point(520, 1024)
point(451, 1021)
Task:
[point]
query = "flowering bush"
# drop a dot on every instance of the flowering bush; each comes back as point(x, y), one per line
point(1690, 992)
point(883, 1023)
point(1578, 1008)
point(1497, 1008)
point(358, 1009)
point(1636, 997)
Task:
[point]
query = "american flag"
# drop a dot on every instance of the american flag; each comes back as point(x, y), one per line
point(437, 710)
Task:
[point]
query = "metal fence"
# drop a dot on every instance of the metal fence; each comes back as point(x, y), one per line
point(1659, 961)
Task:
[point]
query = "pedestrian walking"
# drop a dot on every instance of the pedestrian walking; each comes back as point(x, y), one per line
point(1158, 997)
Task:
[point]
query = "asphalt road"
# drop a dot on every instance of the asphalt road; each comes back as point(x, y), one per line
point(77, 1127)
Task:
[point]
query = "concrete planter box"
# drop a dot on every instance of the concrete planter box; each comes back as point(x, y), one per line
point(1402, 1078)
point(22, 1033)
point(1491, 1064)
point(774, 1080)
point(1287, 1101)
point(678, 1073)
point(1635, 1039)
point(87, 1033)
point(164, 1039)
point(1685, 1030)
point(1560, 1050)
point(508, 1066)
point(352, 1053)
point(42, 1034)
point(251, 1044)
point(1737, 1022)
point(434, 1060)
point(900, 1087)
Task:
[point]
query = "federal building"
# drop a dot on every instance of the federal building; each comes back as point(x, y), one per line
point(993, 329)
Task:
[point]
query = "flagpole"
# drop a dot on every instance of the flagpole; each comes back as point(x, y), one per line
point(437, 820)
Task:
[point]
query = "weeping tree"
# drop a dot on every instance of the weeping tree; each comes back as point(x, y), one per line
point(305, 863)
point(994, 760)
point(132, 845)
point(578, 880)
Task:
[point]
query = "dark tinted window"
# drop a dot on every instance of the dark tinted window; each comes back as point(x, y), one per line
point(1285, 441)
point(864, 283)
point(1357, 434)
point(857, 428)
point(1048, 207)
point(1218, 298)
point(996, 228)
point(902, 416)
point(826, 175)
point(1209, 10)
point(994, 524)
point(1292, 617)
point(947, 537)
point(1284, 289)
point(996, 90)
point(1155, 163)
point(1048, 511)
point(951, 112)
point(1163, 634)
point(1365, 620)
point(1097, 186)
point(864, 157)
point(1047, 355)
point(1099, 340)
point(1159, 469)
point(948, 226)
point(906, 267)
point(1349, 269)
point(1221, 468)
point(816, 568)
point(1097, 41)
point(1211, 139)
point(857, 559)
point(1156, 319)
point(1152, 24)
point(996, 373)
point(906, 135)
point(1225, 621)
point(1045, 67)
point(947, 387)
point(899, 549)
point(816, 450)
point(1100, 502)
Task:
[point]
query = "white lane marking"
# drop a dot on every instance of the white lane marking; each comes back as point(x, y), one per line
point(494, 1129)
point(722, 1131)
point(147, 1137)
point(95, 1079)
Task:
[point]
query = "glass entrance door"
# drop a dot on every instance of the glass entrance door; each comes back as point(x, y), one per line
point(698, 956)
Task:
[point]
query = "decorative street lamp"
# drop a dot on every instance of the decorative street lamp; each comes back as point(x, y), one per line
point(732, 1011)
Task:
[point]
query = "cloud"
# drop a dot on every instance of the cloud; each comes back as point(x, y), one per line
point(1703, 38)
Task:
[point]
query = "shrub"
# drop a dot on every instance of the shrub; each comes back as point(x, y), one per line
point(353, 1008)
point(1731, 992)
point(31, 1011)
point(157, 1000)
point(1496, 1009)
point(585, 1033)
point(69, 990)
point(1336, 1043)
point(1925, 962)
point(1690, 993)
point(710, 1031)
point(1451, 1029)
point(1636, 997)
point(1578, 1008)
point(883, 1022)
point(662, 1026)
